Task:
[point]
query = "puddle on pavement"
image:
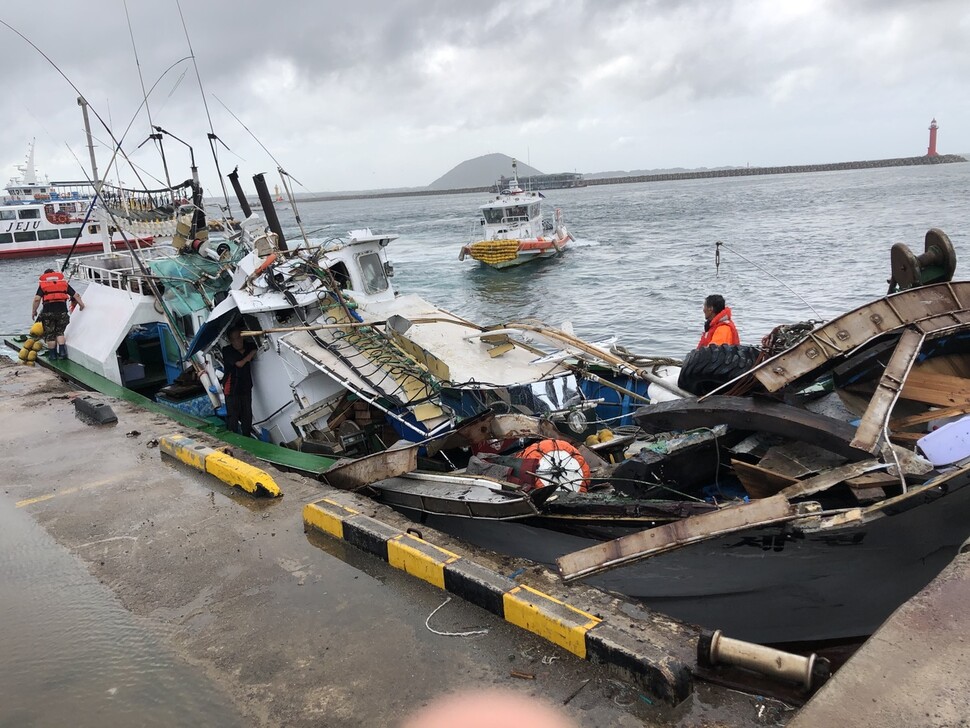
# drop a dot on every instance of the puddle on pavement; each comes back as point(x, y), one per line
point(73, 656)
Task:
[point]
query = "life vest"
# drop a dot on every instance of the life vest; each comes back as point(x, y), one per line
point(53, 287)
point(728, 333)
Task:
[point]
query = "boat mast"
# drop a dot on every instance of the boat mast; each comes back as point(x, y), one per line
point(28, 171)
point(95, 177)
point(153, 135)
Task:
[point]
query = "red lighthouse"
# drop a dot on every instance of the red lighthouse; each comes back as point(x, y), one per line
point(931, 151)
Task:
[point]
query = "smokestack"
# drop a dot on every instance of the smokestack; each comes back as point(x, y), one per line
point(268, 210)
point(237, 188)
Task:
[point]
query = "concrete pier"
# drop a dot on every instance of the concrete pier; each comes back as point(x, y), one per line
point(665, 177)
point(358, 621)
point(295, 628)
point(914, 671)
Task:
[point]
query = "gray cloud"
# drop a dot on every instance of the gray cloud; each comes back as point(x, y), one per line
point(375, 94)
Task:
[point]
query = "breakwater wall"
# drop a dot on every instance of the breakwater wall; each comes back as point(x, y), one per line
point(665, 177)
point(795, 169)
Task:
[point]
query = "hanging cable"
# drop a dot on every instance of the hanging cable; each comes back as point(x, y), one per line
point(212, 132)
point(717, 263)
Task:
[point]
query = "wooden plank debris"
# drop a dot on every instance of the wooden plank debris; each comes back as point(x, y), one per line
point(643, 544)
point(887, 392)
point(871, 487)
point(904, 423)
point(942, 390)
point(826, 480)
point(798, 459)
point(934, 308)
point(760, 482)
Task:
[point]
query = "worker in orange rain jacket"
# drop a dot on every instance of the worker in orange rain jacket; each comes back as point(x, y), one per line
point(718, 326)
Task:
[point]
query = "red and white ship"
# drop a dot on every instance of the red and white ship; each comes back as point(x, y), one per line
point(48, 218)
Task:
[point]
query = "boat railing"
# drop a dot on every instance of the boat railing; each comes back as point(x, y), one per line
point(118, 270)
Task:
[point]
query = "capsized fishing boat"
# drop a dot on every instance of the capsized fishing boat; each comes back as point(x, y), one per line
point(804, 500)
point(347, 365)
point(50, 218)
point(513, 230)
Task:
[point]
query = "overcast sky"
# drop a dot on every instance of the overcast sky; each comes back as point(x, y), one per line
point(393, 93)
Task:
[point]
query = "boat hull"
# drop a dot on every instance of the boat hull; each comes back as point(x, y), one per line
point(500, 254)
point(36, 250)
point(770, 584)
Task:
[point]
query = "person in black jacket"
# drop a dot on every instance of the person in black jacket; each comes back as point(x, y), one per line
point(237, 384)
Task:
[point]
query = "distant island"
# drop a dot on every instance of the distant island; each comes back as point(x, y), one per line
point(481, 172)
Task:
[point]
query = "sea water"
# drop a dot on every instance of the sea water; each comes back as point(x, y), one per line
point(794, 248)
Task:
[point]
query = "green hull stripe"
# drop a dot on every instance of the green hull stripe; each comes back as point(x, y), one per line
point(266, 451)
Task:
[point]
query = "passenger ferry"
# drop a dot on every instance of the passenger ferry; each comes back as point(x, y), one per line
point(48, 218)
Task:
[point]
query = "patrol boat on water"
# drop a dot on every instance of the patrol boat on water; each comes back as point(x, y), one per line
point(50, 218)
point(513, 229)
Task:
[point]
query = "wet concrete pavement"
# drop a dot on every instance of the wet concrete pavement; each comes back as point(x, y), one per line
point(279, 626)
point(914, 671)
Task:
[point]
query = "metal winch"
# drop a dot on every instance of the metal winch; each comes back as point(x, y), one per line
point(935, 265)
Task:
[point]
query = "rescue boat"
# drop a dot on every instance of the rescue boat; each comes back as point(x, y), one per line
point(514, 231)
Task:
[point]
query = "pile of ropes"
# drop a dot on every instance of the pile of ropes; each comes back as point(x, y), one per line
point(642, 361)
point(784, 337)
point(779, 339)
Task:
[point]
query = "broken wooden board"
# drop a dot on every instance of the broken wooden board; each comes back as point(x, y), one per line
point(871, 487)
point(361, 472)
point(643, 544)
point(942, 390)
point(754, 414)
point(824, 481)
point(500, 349)
point(935, 308)
point(798, 459)
point(904, 423)
point(760, 482)
point(957, 365)
point(907, 439)
point(887, 391)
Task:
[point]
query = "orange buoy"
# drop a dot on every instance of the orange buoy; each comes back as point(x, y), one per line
point(560, 463)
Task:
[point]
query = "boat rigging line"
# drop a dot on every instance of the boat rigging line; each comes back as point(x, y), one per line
point(157, 138)
point(717, 265)
point(284, 175)
point(212, 132)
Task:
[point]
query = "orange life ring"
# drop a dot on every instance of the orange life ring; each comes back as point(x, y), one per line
point(61, 218)
point(270, 259)
point(560, 463)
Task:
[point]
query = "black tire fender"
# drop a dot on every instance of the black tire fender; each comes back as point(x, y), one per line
point(706, 369)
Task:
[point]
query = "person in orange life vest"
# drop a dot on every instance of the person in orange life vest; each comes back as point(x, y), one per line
point(54, 292)
point(718, 326)
point(238, 383)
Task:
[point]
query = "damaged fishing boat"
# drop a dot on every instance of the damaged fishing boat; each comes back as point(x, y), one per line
point(346, 365)
point(804, 500)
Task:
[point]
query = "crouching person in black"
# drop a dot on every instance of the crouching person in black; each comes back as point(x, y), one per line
point(237, 385)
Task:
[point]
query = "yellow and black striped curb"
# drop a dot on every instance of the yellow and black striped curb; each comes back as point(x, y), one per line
point(663, 673)
point(215, 462)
